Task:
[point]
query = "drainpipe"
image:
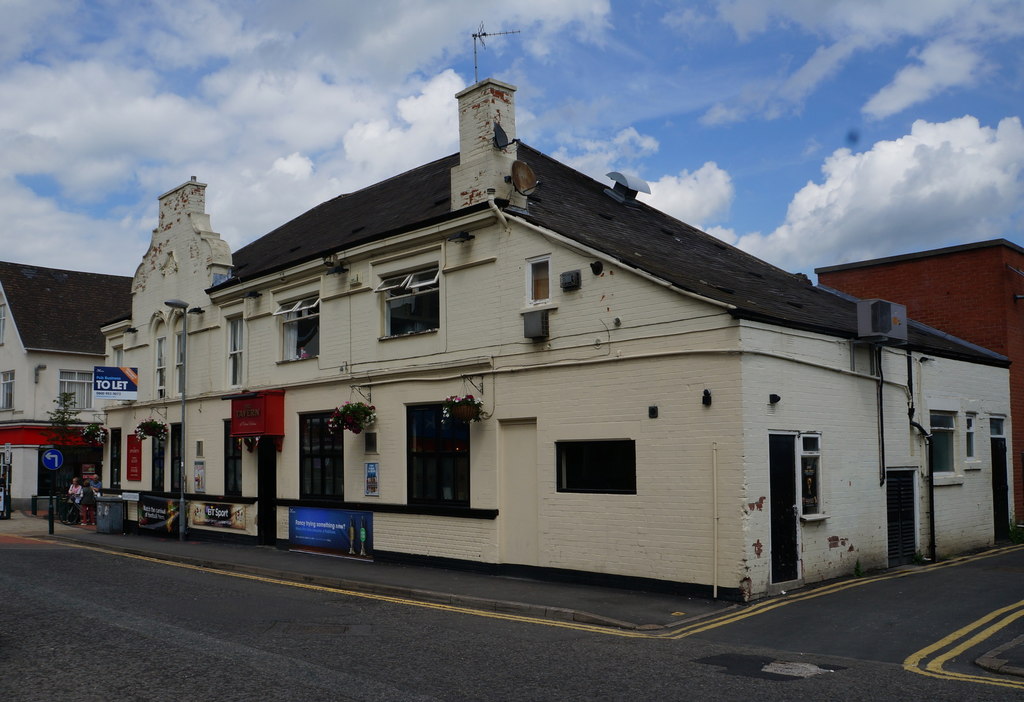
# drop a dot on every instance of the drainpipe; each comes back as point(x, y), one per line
point(928, 451)
point(714, 514)
point(881, 418)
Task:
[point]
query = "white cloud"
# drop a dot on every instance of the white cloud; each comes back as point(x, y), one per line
point(596, 158)
point(695, 197)
point(295, 165)
point(848, 27)
point(942, 64)
point(943, 183)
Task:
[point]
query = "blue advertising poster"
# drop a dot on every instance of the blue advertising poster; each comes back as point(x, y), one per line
point(333, 532)
point(115, 383)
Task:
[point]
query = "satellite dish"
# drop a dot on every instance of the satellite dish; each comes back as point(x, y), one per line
point(501, 139)
point(523, 178)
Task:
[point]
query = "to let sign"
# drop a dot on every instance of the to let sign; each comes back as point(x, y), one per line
point(115, 383)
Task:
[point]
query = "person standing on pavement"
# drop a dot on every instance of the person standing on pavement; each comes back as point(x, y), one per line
point(88, 503)
point(75, 491)
point(94, 480)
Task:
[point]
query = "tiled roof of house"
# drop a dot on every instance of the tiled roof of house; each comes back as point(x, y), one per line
point(58, 310)
point(575, 206)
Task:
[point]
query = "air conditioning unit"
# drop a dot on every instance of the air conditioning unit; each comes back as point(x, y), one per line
point(535, 324)
point(881, 320)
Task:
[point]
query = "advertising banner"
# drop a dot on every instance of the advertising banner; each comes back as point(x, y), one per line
point(333, 532)
point(158, 514)
point(372, 482)
point(115, 383)
point(217, 514)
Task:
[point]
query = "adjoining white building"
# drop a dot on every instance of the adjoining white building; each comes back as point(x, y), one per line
point(659, 408)
point(50, 341)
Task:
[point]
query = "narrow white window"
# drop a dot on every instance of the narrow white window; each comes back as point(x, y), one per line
point(3, 321)
point(538, 280)
point(119, 356)
point(161, 367)
point(235, 346)
point(810, 474)
point(969, 434)
point(7, 390)
point(179, 362)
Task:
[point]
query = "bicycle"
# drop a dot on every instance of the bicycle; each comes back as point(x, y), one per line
point(71, 514)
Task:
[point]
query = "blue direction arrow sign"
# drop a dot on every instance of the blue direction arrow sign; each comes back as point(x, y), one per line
point(52, 459)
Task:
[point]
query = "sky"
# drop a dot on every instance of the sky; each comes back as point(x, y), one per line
point(807, 132)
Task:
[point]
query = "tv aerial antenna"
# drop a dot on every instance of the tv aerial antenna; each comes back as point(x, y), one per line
point(479, 36)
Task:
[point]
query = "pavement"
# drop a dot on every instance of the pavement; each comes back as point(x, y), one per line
point(589, 604)
point(595, 605)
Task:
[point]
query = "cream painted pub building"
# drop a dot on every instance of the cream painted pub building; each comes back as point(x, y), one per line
point(659, 408)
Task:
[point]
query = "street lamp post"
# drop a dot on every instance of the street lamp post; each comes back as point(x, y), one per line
point(183, 307)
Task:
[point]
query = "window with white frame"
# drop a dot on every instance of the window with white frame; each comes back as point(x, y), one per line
point(301, 328)
point(3, 321)
point(538, 280)
point(810, 474)
point(7, 390)
point(119, 356)
point(943, 426)
point(179, 361)
point(996, 427)
point(235, 349)
point(969, 421)
point(160, 377)
point(78, 384)
point(412, 302)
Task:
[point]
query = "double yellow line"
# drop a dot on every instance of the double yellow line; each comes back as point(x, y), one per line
point(769, 605)
point(931, 660)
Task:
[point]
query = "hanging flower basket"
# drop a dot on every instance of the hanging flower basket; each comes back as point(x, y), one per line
point(151, 427)
point(464, 408)
point(94, 434)
point(353, 416)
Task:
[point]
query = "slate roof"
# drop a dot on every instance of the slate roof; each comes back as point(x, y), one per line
point(58, 310)
point(575, 206)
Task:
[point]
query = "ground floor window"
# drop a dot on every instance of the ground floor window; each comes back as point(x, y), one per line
point(943, 427)
point(596, 466)
point(232, 462)
point(438, 462)
point(115, 458)
point(177, 458)
point(321, 465)
point(810, 474)
point(158, 454)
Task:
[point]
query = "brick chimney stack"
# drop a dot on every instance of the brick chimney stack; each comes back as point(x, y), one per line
point(481, 164)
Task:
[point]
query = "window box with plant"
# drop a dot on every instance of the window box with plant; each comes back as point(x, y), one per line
point(461, 408)
point(94, 434)
point(151, 427)
point(352, 416)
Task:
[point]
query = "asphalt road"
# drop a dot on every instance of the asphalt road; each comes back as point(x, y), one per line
point(85, 625)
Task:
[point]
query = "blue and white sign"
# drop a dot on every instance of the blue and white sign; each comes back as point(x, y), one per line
point(52, 459)
point(333, 532)
point(115, 383)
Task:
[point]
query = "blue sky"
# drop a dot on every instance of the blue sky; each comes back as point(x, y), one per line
point(808, 132)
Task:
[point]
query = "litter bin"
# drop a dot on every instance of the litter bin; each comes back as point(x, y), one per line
point(109, 515)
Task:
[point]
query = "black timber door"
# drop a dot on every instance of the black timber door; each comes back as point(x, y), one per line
point(266, 501)
point(783, 478)
point(1000, 490)
point(899, 494)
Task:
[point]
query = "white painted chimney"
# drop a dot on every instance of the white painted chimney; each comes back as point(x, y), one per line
point(482, 165)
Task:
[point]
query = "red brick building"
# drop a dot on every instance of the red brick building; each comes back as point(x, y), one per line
point(974, 291)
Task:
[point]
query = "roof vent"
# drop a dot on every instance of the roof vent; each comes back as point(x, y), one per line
point(881, 320)
point(626, 188)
